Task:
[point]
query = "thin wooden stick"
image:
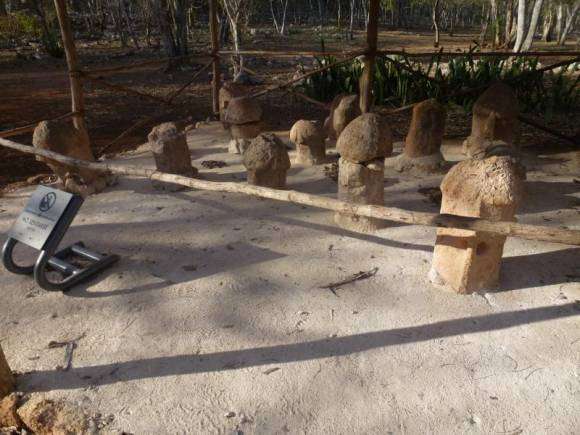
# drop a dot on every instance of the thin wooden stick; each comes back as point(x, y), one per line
point(30, 127)
point(124, 89)
point(366, 79)
point(302, 77)
point(215, 47)
point(477, 53)
point(512, 229)
point(137, 65)
point(76, 83)
point(292, 91)
point(188, 84)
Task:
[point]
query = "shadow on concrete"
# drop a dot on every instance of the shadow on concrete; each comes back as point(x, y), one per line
point(106, 374)
point(538, 270)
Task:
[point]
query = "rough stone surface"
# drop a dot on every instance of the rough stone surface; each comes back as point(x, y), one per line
point(360, 184)
point(267, 161)
point(238, 146)
point(246, 131)
point(6, 377)
point(469, 261)
point(422, 151)
point(347, 110)
point(495, 117)
point(243, 110)
point(327, 126)
point(8, 414)
point(49, 417)
point(171, 154)
point(228, 92)
point(63, 138)
point(366, 138)
point(309, 141)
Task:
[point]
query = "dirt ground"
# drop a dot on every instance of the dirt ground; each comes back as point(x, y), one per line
point(214, 320)
point(37, 89)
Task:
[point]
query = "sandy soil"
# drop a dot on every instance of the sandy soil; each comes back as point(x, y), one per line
point(214, 320)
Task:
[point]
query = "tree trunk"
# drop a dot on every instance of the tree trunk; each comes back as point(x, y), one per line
point(494, 23)
point(533, 25)
point(7, 383)
point(559, 21)
point(435, 18)
point(509, 22)
point(521, 26)
point(351, 25)
point(548, 24)
point(570, 17)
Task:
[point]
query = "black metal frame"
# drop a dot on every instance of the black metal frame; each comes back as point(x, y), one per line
point(48, 257)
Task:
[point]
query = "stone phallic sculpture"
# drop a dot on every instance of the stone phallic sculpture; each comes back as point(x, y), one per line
point(422, 153)
point(267, 161)
point(228, 92)
point(467, 261)
point(309, 141)
point(363, 146)
point(64, 138)
point(244, 117)
point(169, 147)
point(343, 110)
point(495, 117)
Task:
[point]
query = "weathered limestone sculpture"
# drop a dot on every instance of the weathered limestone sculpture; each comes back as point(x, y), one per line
point(422, 153)
point(309, 141)
point(64, 138)
point(267, 161)
point(228, 92)
point(467, 261)
point(244, 116)
point(169, 147)
point(7, 383)
point(495, 117)
point(363, 146)
point(343, 110)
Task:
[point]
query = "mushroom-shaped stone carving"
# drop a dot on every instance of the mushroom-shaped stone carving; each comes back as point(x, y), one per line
point(363, 146)
point(244, 117)
point(467, 261)
point(63, 137)
point(495, 117)
point(366, 138)
point(169, 147)
point(309, 141)
point(422, 151)
point(267, 161)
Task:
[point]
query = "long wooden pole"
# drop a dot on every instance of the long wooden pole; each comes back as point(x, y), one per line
point(366, 80)
point(215, 47)
point(531, 232)
point(7, 383)
point(76, 84)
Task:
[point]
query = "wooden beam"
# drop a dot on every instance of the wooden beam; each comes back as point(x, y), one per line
point(366, 80)
point(512, 229)
point(76, 84)
point(28, 128)
point(7, 383)
point(215, 47)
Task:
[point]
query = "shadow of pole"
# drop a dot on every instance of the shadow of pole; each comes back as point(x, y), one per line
point(105, 374)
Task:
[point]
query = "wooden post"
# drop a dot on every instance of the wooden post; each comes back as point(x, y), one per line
point(7, 383)
point(215, 47)
point(366, 81)
point(76, 84)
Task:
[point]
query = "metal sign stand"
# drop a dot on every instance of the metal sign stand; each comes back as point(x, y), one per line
point(42, 225)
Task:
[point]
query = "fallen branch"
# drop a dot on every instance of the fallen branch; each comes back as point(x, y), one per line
point(512, 229)
point(356, 277)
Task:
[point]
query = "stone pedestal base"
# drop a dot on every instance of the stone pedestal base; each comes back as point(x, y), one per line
point(272, 179)
point(419, 165)
point(360, 184)
point(310, 156)
point(466, 261)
